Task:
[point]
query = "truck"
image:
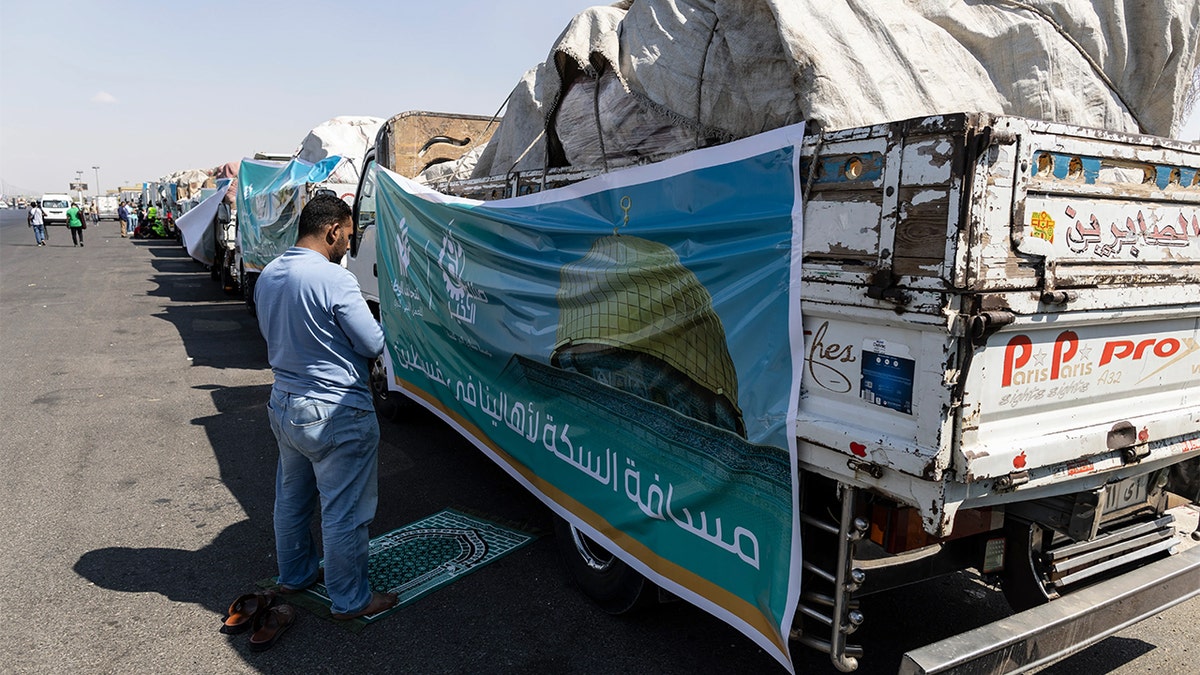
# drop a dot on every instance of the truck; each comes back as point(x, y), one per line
point(106, 206)
point(227, 268)
point(272, 188)
point(776, 374)
point(998, 372)
point(270, 198)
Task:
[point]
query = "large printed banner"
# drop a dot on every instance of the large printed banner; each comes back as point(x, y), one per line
point(270, 197)
point(623, 347)
point(196, 226)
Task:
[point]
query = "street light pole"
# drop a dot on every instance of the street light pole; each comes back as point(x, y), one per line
point(78, 179)
point(97, 170)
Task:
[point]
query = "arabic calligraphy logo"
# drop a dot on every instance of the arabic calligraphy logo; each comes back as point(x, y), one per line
point(462, 294)
point(402, 252)
point(452, 262)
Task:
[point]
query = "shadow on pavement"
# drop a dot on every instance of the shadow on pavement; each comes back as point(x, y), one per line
point(1103, 657)
point(217, 333)
point(239, 554)
point(217, 330)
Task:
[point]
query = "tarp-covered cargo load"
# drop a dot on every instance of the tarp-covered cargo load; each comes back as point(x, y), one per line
point(666, 76)
point(347, 136)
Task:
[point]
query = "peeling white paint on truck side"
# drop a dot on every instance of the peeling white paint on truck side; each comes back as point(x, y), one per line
point(1027, 345)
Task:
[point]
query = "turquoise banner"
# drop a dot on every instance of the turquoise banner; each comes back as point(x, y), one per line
point(270, 197)
point(623, 347)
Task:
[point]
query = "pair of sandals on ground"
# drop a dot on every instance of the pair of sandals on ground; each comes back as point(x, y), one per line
point(267, 618)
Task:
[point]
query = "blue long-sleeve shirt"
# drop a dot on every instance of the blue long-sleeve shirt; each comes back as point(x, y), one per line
point(320, 334)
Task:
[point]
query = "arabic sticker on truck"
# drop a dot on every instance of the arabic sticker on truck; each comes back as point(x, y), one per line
point(887, 380)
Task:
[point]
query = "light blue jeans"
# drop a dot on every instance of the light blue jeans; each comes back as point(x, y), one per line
point(330, 452)
point(39, 233)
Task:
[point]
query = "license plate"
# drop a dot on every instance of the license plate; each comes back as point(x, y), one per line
point(1126, 493)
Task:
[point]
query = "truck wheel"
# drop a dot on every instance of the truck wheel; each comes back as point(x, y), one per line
point(248, 290)
point(614, 586)
point(1184, 480)
point(1023, 579)
point(227, 283)
point(389, 405)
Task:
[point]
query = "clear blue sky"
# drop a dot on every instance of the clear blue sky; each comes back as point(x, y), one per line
point(142, 89)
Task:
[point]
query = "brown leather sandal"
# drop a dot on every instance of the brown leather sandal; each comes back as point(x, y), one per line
point(243, 611)
point(271, 624)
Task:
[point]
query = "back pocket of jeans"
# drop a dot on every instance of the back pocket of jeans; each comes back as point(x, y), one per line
point(311, 415)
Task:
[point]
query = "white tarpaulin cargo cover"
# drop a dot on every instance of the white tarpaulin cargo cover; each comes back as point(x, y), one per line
point(678, 74)
point(196, 226)
point(347, 136)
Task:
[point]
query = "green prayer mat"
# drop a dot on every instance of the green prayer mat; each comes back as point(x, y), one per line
point(419, 558)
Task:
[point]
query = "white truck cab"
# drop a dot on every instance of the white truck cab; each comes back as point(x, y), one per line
point(408, 143)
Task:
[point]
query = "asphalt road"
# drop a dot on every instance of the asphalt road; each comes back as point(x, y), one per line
point(137, 490)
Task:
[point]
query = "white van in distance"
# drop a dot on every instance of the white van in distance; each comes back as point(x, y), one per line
point(55, 207)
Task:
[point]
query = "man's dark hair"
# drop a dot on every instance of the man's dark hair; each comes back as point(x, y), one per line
point(321, 212)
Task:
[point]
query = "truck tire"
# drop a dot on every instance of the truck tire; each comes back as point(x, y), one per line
point(1184, 480)
point(613, 585)
point(1024, 567)
point(227, 282)
point(389, 405)
point(248, 290)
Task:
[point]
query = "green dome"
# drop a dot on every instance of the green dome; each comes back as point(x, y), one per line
point(634, 294)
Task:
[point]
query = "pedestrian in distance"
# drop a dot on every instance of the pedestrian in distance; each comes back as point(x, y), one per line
point(37, 220)
point(321, 339)
point(76, 218)
point(123, 216)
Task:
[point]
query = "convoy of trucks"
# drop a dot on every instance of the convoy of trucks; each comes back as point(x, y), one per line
point(271, 190)
point(994, 327)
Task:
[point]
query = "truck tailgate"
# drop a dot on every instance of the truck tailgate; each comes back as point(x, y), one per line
point(1098, 270)
point(986, 297)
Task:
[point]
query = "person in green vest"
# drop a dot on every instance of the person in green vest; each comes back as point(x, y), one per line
point(75, 224)
point(153, 223)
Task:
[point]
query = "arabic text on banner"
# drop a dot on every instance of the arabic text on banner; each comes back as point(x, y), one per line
point(622, 347)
